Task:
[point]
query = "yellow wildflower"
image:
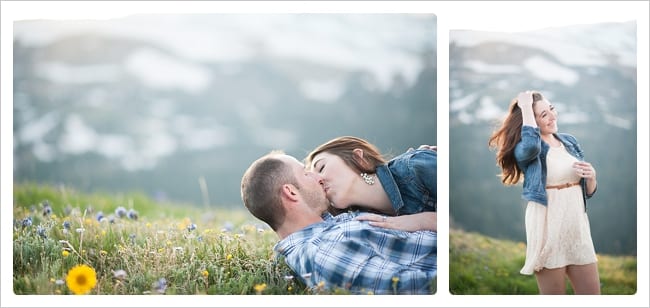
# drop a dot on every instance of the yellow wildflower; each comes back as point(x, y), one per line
point(81, 279)
point(65, 253)
point(260, 287)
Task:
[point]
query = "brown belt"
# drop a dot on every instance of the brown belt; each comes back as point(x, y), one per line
point(562, 186)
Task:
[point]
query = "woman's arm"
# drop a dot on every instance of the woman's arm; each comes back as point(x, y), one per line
point(525, 103)
point(412, 222)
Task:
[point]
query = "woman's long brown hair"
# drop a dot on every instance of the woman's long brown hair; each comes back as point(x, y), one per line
point(505, 138)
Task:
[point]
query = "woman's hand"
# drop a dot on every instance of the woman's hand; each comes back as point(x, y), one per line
point(584, 170)
point(426, 147)
point(412, 222)
point(525, 103)
point(525, 100)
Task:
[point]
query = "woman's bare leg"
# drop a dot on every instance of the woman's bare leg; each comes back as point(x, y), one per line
point(551, 281)
point(584, 278)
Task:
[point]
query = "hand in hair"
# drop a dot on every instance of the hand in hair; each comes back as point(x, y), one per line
point(525, 100)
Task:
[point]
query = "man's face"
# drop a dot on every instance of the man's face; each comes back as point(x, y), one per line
point(310, 184)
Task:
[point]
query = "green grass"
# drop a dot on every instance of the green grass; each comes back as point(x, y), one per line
point(482, 265)
point(229, 252)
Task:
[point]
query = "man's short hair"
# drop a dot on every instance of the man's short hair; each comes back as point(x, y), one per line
point(261, 188)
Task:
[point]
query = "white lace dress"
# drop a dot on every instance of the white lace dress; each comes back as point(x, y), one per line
point(558, 235)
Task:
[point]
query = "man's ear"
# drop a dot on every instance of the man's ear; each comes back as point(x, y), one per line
point(290, 192)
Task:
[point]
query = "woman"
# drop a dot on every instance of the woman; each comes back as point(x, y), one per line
point(401, 191)
point(557, 183)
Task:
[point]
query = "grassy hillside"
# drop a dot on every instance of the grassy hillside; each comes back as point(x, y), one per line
point(483, 265)
point(164, 249)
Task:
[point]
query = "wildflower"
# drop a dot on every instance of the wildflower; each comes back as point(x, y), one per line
point(227, 227)
point(191, 227)
point(103, 252)
point(47, 209)
point(80, 230)
point(111, 219)
point(395, 279)
point(99, 216)
point(132, 214)
point(81, 279)
point(148, 225)
point(289, 288)
point(41, 231)
point(65, 253)
point(205, 273)
point(260, 287)
point(66, 225)
point(228, 257)
point(160, 285)
point(199, 238)
point(119, 274)
point(59, 282)
point(27, 222)
point(132, 237)
point(120, 211)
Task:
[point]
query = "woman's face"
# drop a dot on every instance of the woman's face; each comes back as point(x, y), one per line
point(545, 116)
point(338, 178)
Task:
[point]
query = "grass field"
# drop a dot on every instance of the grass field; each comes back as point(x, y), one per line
point(482, 265)
point(154, 249)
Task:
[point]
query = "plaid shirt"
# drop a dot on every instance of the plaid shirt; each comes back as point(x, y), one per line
point(344, 253)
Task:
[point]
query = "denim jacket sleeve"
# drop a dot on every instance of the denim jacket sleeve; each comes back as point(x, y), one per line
point(410, 181)
point(529, 147)
point(425, 168)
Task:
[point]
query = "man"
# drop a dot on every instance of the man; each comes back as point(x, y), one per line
point(337, 252)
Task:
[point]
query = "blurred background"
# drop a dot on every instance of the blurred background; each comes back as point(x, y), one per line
point(168, 104)
point(588, 72)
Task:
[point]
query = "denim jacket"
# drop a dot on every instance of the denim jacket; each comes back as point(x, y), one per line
point(410, 181)
point(531, 152)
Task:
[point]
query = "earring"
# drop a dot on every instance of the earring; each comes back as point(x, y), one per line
point(368, 178)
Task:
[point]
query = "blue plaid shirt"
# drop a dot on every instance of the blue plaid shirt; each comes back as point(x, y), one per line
point(344, 253)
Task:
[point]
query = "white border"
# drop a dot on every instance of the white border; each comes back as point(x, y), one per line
point(450, 15)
